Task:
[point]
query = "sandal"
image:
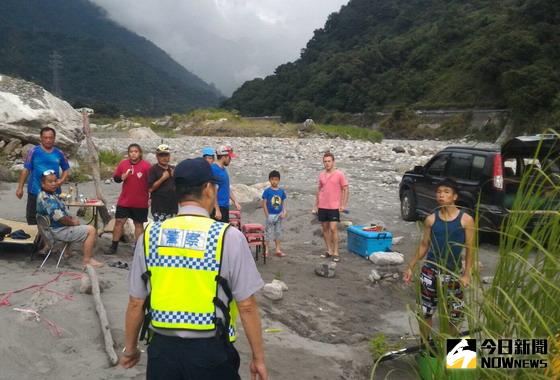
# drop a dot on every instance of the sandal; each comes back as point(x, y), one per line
point(326, 255)
point(280, 254)
point(336, 258)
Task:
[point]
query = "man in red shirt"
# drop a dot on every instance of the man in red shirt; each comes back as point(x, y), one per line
point(331, 199)
point(133, 200)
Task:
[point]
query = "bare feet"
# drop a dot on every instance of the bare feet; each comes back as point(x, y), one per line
point(94, 263)
point(280, 254)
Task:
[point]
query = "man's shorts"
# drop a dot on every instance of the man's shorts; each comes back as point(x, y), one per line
point(71, 234)
point(452, 290)
point(273, 227)
point(138, 215)
point(328, 215)
point(31, 209)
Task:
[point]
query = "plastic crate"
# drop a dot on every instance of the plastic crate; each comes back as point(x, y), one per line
point(364, 243)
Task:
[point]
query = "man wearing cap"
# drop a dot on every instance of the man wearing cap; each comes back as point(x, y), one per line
point(224, 154)
point(208, 154)
point(161, 186)
point(195, 275)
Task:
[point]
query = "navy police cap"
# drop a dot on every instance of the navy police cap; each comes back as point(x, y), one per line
point(194, 172)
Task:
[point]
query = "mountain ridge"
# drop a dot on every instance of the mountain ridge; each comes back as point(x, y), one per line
point(375, 54)
point(102, 62)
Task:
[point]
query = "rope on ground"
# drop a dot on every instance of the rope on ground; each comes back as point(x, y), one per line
point(51, 326)
point(5, 301)
point(108, 338)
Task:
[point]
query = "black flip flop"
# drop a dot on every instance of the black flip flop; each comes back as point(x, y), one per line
point(118, 264)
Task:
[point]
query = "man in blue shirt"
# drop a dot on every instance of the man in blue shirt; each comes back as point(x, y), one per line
point(41, 158)
point(224, 154)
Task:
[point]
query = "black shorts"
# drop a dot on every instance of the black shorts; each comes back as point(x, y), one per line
point(328, 215)
point(31, 209)
point(138, 215)
point(225, 214)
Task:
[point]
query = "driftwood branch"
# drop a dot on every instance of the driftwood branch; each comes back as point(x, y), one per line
point(94, 164)
point(107, 337)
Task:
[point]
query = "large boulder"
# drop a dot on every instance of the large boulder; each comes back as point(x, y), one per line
point(25, 108)
point(142, 133)
point(246, 194)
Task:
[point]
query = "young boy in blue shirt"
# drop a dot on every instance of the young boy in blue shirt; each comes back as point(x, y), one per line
point(274, 207)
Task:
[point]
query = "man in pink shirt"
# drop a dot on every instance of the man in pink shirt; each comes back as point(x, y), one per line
point(133, 201)
point(331, 199)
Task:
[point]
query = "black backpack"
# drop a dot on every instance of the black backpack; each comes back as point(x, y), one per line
point(4, 230)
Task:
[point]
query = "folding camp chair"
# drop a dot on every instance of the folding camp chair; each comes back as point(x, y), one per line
point(44, 227)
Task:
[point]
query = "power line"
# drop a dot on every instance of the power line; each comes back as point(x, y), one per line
point(56, 65)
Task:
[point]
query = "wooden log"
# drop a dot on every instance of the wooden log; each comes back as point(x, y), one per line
point(94, 164)
point(107, 337)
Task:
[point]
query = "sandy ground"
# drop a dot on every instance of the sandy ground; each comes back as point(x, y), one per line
point(325, 324)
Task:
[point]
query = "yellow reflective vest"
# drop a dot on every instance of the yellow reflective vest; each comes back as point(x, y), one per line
point(183, 258)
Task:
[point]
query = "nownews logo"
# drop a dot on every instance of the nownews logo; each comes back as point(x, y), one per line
point(461, 353)
point(501, 353)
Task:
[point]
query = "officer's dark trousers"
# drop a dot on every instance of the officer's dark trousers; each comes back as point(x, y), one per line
point(171, 358)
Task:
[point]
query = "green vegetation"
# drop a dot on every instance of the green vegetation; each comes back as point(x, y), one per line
point(349, 132)
point(220, 122)
point(110, 158)
point(104, 66)
point(379, 54)
point(378, 345)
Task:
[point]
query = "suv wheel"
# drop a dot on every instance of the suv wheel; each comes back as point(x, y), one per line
point(408, 206)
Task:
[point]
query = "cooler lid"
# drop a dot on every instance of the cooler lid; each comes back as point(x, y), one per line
point(358, 230)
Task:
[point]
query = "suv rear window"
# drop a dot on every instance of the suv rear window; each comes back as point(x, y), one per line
point(459, 166)
point(477, 167)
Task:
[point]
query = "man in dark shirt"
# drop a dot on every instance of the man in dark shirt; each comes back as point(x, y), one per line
point(161, 186)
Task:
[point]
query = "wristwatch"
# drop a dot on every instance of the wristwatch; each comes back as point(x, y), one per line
point(127, 354)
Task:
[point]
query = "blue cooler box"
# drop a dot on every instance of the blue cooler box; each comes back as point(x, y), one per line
point(364, 243)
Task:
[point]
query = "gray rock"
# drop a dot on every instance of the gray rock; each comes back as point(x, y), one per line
point(399, 149)
point(307, 126)
point(245, 194)
point(26, 148)
point(12, 146)
point(2, 144)
point(27, 107)
point(281, 284)
point(273, 291)
point(374, 276)
point(142, 133)
point(487, 279)
point(325, 269)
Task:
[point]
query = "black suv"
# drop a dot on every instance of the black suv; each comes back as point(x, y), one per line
point(490, 172)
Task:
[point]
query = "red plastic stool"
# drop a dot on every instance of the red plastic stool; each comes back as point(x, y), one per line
point(235, 218)
point(252, 228)
point(254, 233)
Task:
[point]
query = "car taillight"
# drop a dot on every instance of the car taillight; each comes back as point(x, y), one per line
point(498, 172)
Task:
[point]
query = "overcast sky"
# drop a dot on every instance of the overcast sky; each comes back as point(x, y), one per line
point(225, 42)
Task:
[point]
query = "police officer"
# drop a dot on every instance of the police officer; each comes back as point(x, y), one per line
point(195, 276)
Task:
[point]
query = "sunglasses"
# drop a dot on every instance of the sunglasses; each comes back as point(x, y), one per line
point(48, 172)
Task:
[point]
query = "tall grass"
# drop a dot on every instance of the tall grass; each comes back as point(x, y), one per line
point(523, 299)
point(349, 132)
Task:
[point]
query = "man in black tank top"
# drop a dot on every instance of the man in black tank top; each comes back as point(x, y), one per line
point(446, 232)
